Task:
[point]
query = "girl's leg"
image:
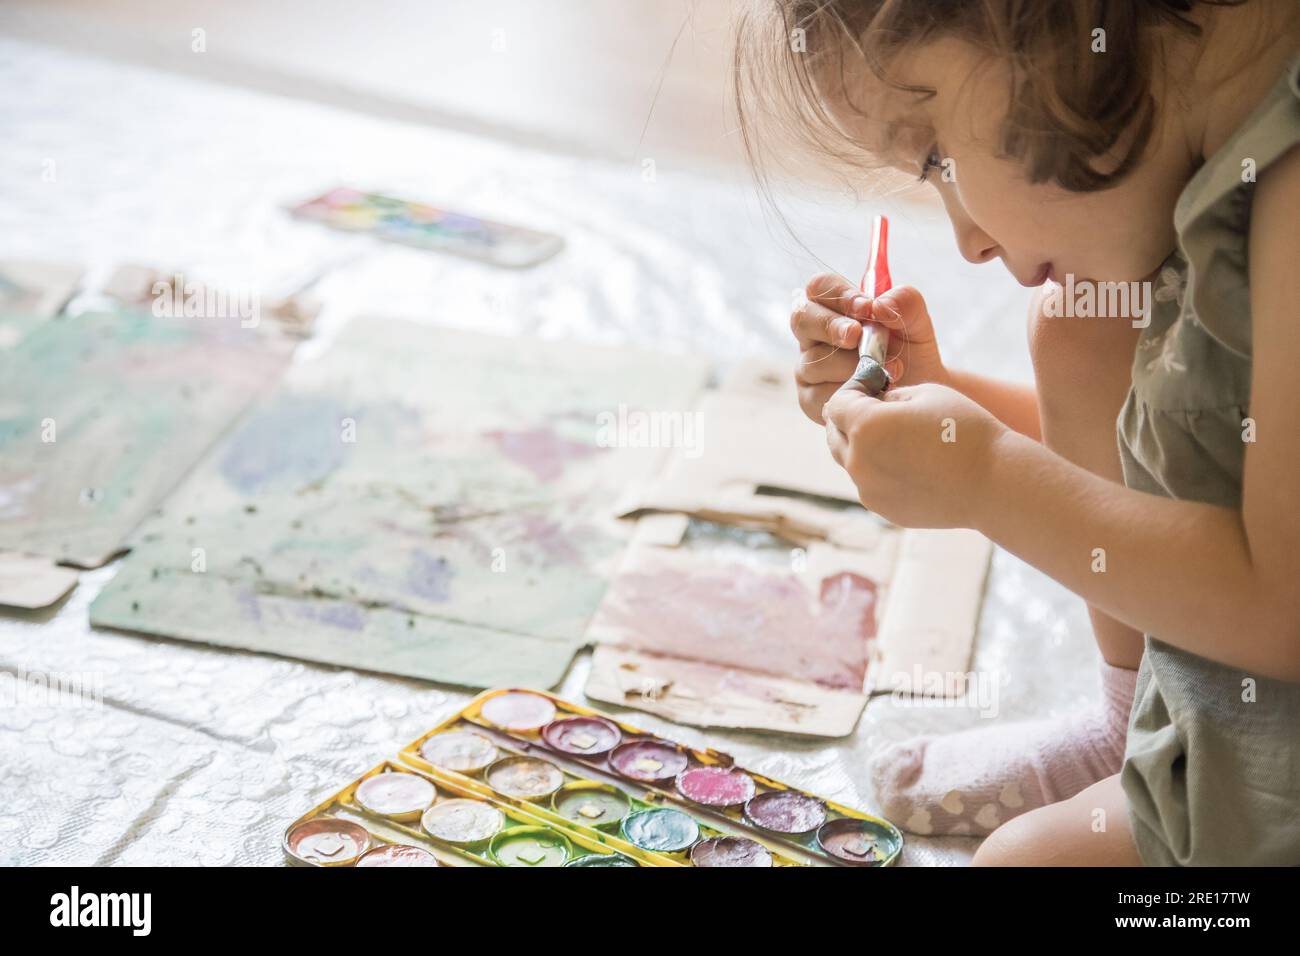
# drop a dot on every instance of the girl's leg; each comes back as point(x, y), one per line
point(1089, 829)
point(972, 782)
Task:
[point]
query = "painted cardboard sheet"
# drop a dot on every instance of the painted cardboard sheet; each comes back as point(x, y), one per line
point(31, 581)
point(36, 288)
point(418, 501)
point(100, 416)
point(758, 594)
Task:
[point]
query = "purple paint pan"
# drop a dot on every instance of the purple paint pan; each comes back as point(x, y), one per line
point(582, 736)
point(652, 761)
point(852, 841)
point(730, 851)
point(716, 786)
point(786, 811)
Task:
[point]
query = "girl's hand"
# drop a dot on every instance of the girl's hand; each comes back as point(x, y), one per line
point(829, 327)
point(920, 455)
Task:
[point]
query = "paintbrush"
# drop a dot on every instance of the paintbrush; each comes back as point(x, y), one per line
point(871, 376)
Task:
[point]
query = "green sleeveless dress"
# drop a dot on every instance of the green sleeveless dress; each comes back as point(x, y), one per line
point(1212, 768)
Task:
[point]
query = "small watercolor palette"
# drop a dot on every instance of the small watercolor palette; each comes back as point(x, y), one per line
point(394, 815)
point(643, 797)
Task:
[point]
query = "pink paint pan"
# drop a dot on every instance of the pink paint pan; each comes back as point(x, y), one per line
point(716, 786)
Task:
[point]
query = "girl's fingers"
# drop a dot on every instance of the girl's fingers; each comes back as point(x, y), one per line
point(837, 293)
point(884, 311)
point(825, 363)
point(813, 397)
point(903, 310)
point(843, 406)
point(812, 324)
point(837, 442)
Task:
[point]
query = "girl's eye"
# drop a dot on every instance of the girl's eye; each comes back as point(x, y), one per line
point(933, 160)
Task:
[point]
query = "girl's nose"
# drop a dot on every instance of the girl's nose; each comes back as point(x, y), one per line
point(975, 244)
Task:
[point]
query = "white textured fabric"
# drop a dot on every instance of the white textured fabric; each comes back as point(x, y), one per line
point(202, 756)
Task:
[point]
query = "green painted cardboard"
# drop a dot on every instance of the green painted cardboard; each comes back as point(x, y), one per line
point(427, 502)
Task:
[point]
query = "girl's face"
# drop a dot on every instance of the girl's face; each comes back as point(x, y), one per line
point(1039, 231)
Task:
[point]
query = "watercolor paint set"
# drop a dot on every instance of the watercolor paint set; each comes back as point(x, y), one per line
point(394, 815)
point(523, 778)
point(426, 227)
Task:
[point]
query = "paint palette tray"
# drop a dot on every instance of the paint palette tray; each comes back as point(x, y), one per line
point(636, 793)
point(396, 816)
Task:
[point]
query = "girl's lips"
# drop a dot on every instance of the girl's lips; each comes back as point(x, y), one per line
point(1045, 271)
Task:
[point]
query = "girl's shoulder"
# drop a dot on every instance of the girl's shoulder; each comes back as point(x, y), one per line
point(1212, 217)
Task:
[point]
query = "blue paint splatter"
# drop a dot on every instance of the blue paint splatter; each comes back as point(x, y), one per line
point(429, 576)
point(289, 443)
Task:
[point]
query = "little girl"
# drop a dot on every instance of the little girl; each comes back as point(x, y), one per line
point(1085, 143)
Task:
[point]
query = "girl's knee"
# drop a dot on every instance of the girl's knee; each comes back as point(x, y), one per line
point(1089, 829)
point(1012, 844)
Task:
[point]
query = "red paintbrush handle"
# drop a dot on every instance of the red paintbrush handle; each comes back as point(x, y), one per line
point(876, 281)
point(880, 264)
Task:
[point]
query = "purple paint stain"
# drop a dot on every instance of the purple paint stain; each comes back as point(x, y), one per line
point(429, 577)
point(540, 450)
point(338, 614)
point(555, 542)
point(249, 604)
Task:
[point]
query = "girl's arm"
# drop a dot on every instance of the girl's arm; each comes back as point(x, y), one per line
point(1219, 583)
point(1013, 404)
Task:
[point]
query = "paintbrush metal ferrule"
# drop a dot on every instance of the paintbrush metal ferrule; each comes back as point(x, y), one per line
point(872, 343)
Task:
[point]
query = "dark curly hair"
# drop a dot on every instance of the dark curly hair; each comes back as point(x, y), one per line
point(1068, 106)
